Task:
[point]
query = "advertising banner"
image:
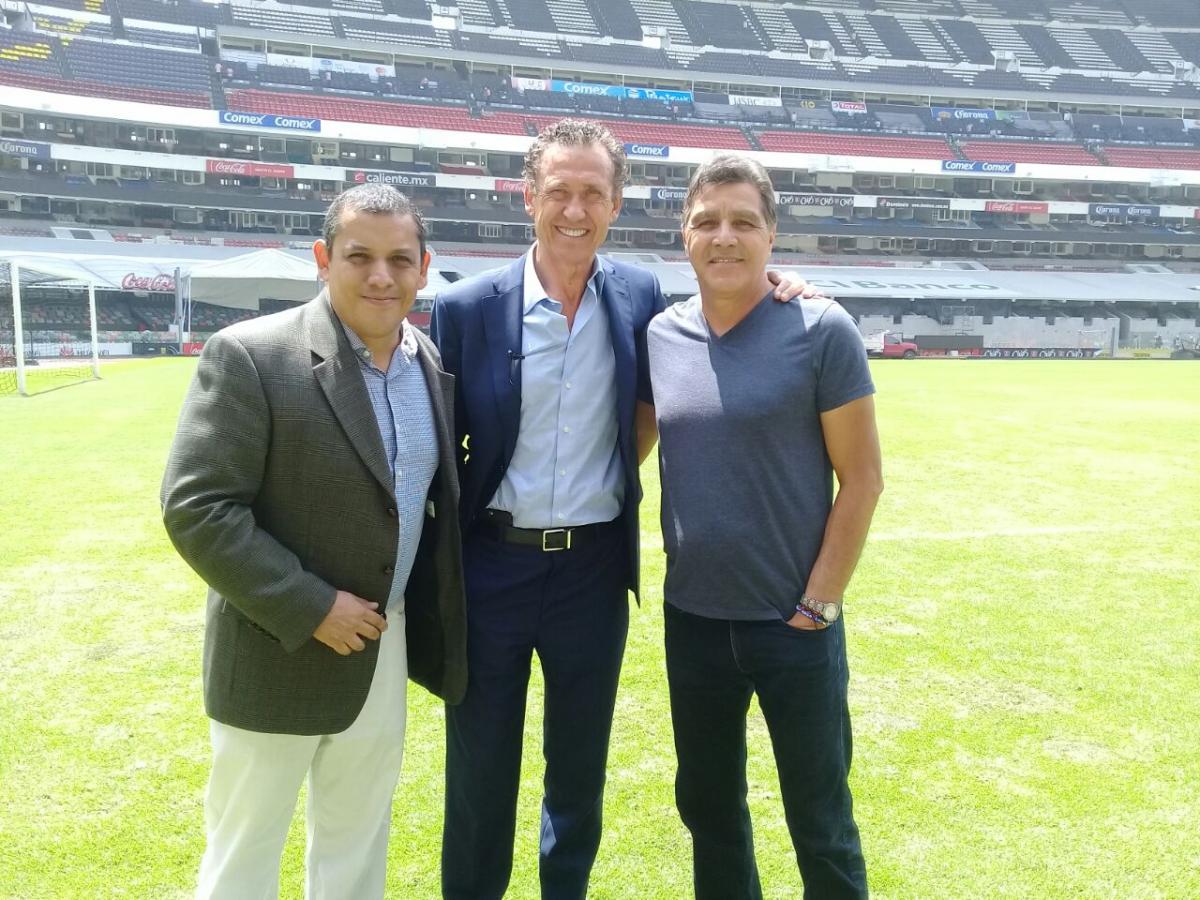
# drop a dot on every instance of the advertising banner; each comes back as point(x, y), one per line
point(400, 179)
point(941, 113)
point(244, 167)
point(263, 120)
point(530, 84)
point(743, 100)
point(662, 193)
point(974, 165)
point(616, 90)
point(28, 149)
point(133, 281)
point(655, 151)
point(510, 186)
point(852, 107)
point(793, 199)
point(912, 203)
point(1099, 210)
point(1041, 353)
point(318, 64)
point(1016, 206)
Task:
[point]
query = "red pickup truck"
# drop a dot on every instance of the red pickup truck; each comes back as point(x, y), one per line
point(889, 345)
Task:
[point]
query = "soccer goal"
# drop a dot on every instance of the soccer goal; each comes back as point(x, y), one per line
point(48, 333)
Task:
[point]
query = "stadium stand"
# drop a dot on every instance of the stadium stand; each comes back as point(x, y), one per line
point(1066, 55)
point(854, 145)
point(1024, 151)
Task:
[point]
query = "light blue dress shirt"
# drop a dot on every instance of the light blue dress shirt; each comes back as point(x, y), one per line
point(400, 400)
point(566, 469)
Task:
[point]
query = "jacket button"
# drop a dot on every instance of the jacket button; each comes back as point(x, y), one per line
point(392, 512)
point(389, 570)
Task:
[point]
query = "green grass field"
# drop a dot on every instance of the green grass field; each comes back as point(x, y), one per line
point(1023, 636)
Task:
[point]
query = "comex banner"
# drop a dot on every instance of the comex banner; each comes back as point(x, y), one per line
point(616, 90)
point(655, 151)
point(263, 120)
point(974, 165)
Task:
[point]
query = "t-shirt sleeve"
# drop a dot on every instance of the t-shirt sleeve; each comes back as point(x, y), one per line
point(841, 360)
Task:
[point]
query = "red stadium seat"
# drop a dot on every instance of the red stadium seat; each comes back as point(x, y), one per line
point(1153, 158)
point(854, 145)
point(111, 91)
point(1029, 152)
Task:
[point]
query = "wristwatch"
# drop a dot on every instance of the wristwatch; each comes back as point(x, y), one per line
point(826, 612)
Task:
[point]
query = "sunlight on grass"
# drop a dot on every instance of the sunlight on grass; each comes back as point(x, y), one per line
point(1023, 637)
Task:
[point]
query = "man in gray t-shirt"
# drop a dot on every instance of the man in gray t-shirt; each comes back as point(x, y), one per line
point(758, 405)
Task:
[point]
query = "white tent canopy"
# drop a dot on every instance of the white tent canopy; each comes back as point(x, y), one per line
point(105, 272)
point(240, 281)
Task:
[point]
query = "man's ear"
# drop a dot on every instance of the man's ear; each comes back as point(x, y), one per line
point(321, 255)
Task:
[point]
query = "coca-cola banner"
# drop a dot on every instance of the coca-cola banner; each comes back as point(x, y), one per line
point(1016, 206)
point(510, 185)
point(244, 167)
point(158, 283)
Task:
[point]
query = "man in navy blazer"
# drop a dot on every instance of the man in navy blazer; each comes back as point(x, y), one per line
point(549, 359)
point(553, 416)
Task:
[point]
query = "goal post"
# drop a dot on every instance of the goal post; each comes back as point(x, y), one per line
point(48, 344)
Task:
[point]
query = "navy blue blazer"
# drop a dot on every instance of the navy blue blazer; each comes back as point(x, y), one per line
point(476, 325)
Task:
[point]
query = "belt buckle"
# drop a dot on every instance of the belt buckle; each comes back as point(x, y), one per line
point(566, 532)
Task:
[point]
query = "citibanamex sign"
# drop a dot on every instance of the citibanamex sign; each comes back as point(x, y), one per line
point(238, 167)
point(135, 282)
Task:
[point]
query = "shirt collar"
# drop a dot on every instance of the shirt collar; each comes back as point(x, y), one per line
point(407, 348)
point(535, 293)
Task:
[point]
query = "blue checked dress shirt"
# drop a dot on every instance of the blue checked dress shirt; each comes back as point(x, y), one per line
point(400, 399)
point(566, 469)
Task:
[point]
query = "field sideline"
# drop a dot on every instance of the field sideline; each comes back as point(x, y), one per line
point(1023, 629)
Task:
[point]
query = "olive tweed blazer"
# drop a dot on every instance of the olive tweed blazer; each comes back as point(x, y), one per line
point(278, 493)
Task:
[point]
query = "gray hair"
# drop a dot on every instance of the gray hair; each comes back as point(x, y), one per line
point(576, 133)
point(730, 168)
point(376, 199)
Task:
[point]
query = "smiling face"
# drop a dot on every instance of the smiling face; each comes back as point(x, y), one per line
point(373, 273)
point(729, 241)
point(572, 203)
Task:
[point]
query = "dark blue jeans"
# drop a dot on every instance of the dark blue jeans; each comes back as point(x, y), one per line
point(571, 607)
point(800, 677)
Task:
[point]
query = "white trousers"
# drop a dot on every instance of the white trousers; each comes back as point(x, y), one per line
point(352, 775)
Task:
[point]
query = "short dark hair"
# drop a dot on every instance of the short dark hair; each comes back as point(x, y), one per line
point(730, 168)
point(576, 133)
point(376, 199)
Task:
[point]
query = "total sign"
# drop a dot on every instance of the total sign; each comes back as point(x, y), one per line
point(263, 120)
point(654, 151)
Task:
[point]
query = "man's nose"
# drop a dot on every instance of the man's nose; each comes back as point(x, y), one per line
point(574, 209)
point(380, 272)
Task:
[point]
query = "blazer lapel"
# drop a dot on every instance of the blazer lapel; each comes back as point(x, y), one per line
point(619, 307)
point(336, 371)
point(502, 326)
point(441, 396)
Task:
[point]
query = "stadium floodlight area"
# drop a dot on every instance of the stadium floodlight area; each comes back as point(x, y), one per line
point(52, 349)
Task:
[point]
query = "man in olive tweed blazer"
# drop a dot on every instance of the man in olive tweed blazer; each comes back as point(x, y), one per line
point(280, 493)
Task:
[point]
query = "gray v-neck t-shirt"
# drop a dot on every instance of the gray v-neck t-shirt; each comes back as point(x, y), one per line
point(746, 482)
